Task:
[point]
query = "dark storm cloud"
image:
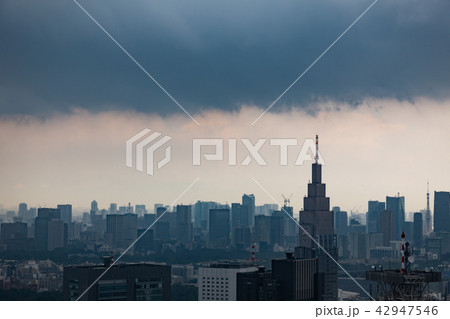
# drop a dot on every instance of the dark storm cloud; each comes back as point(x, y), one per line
point(218, 54)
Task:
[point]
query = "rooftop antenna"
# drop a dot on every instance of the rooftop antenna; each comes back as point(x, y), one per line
point(316, 158)
point(287, 200)
point(428, 212)
point(129, 208)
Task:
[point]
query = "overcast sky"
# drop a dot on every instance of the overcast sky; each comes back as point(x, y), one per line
point(69, 97)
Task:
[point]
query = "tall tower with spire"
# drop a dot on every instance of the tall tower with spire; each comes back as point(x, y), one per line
point(317, 220)
point(428, 213)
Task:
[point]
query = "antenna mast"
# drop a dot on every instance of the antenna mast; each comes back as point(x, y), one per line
point(316, 158)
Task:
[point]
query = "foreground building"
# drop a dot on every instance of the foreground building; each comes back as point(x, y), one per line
point(144, 281)
point(291, 279)
point(217, 281)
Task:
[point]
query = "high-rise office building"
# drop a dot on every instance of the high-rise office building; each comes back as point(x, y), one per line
point(262, 229)
point(217, 281)
point(441, 212)
point(201, 213)
point(22, 211)
point(239, 215)
point(418, 231)
point(184, 224)
point(49, 231)
point(129, 229)
point(340, 221)
point(113, 208)
point(249, 201)
point(143, 281)
point(277, 226)
point(373, 216)
point(66, 213)
point(397, 206)
point(387, 226)
point(12, 231)
point(219, 227)
point(114, 235)
point(242, 238)
point(140, 210)
point(317, 220)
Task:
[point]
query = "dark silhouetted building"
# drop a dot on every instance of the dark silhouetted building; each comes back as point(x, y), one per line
point(262, 229)
point(317, 220)
point(239, 215)
point(397, 206)
point(50, 231)
point(219, 228)
point(298, 279)
point(249, 201)
point(66, 213)
point(242, 238)
point(441, 211)
point(257, 286)
point(418, 230)
point(277, 226)
point(144, 281)
point(373, 216)
point(114, 235)
point(184, 224)
point(387, 226)
point(129, 229)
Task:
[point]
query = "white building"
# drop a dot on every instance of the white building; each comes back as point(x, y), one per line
point(218, 281)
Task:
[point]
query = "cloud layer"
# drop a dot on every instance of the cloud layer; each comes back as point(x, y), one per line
point(381, 148)
point(219, 54)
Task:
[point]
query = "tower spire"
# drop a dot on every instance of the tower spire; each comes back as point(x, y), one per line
point(316, 158)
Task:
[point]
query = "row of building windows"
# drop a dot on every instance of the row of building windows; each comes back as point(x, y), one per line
point(213, 278)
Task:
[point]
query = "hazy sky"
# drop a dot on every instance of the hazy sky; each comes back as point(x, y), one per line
point(70, 98)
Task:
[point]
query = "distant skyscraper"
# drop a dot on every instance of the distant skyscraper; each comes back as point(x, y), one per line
point(184, 223)
point(66, 213)
point(262, 229)
point(113, 208)
point(374, 215)
point(418, 230)
point(318, 220)
point(239, 215)
point(340, 221)
point(129, 228)
point(219, 227)
point(397, 206)
point(22, 210)
point(140, 210)
point(277, 225)
point(114, 235)
point(249, 200)
point(441, 211)
point(94, 205)
point(201, 213)
point(387, 226)
point(49, 231)
point(427, 216)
